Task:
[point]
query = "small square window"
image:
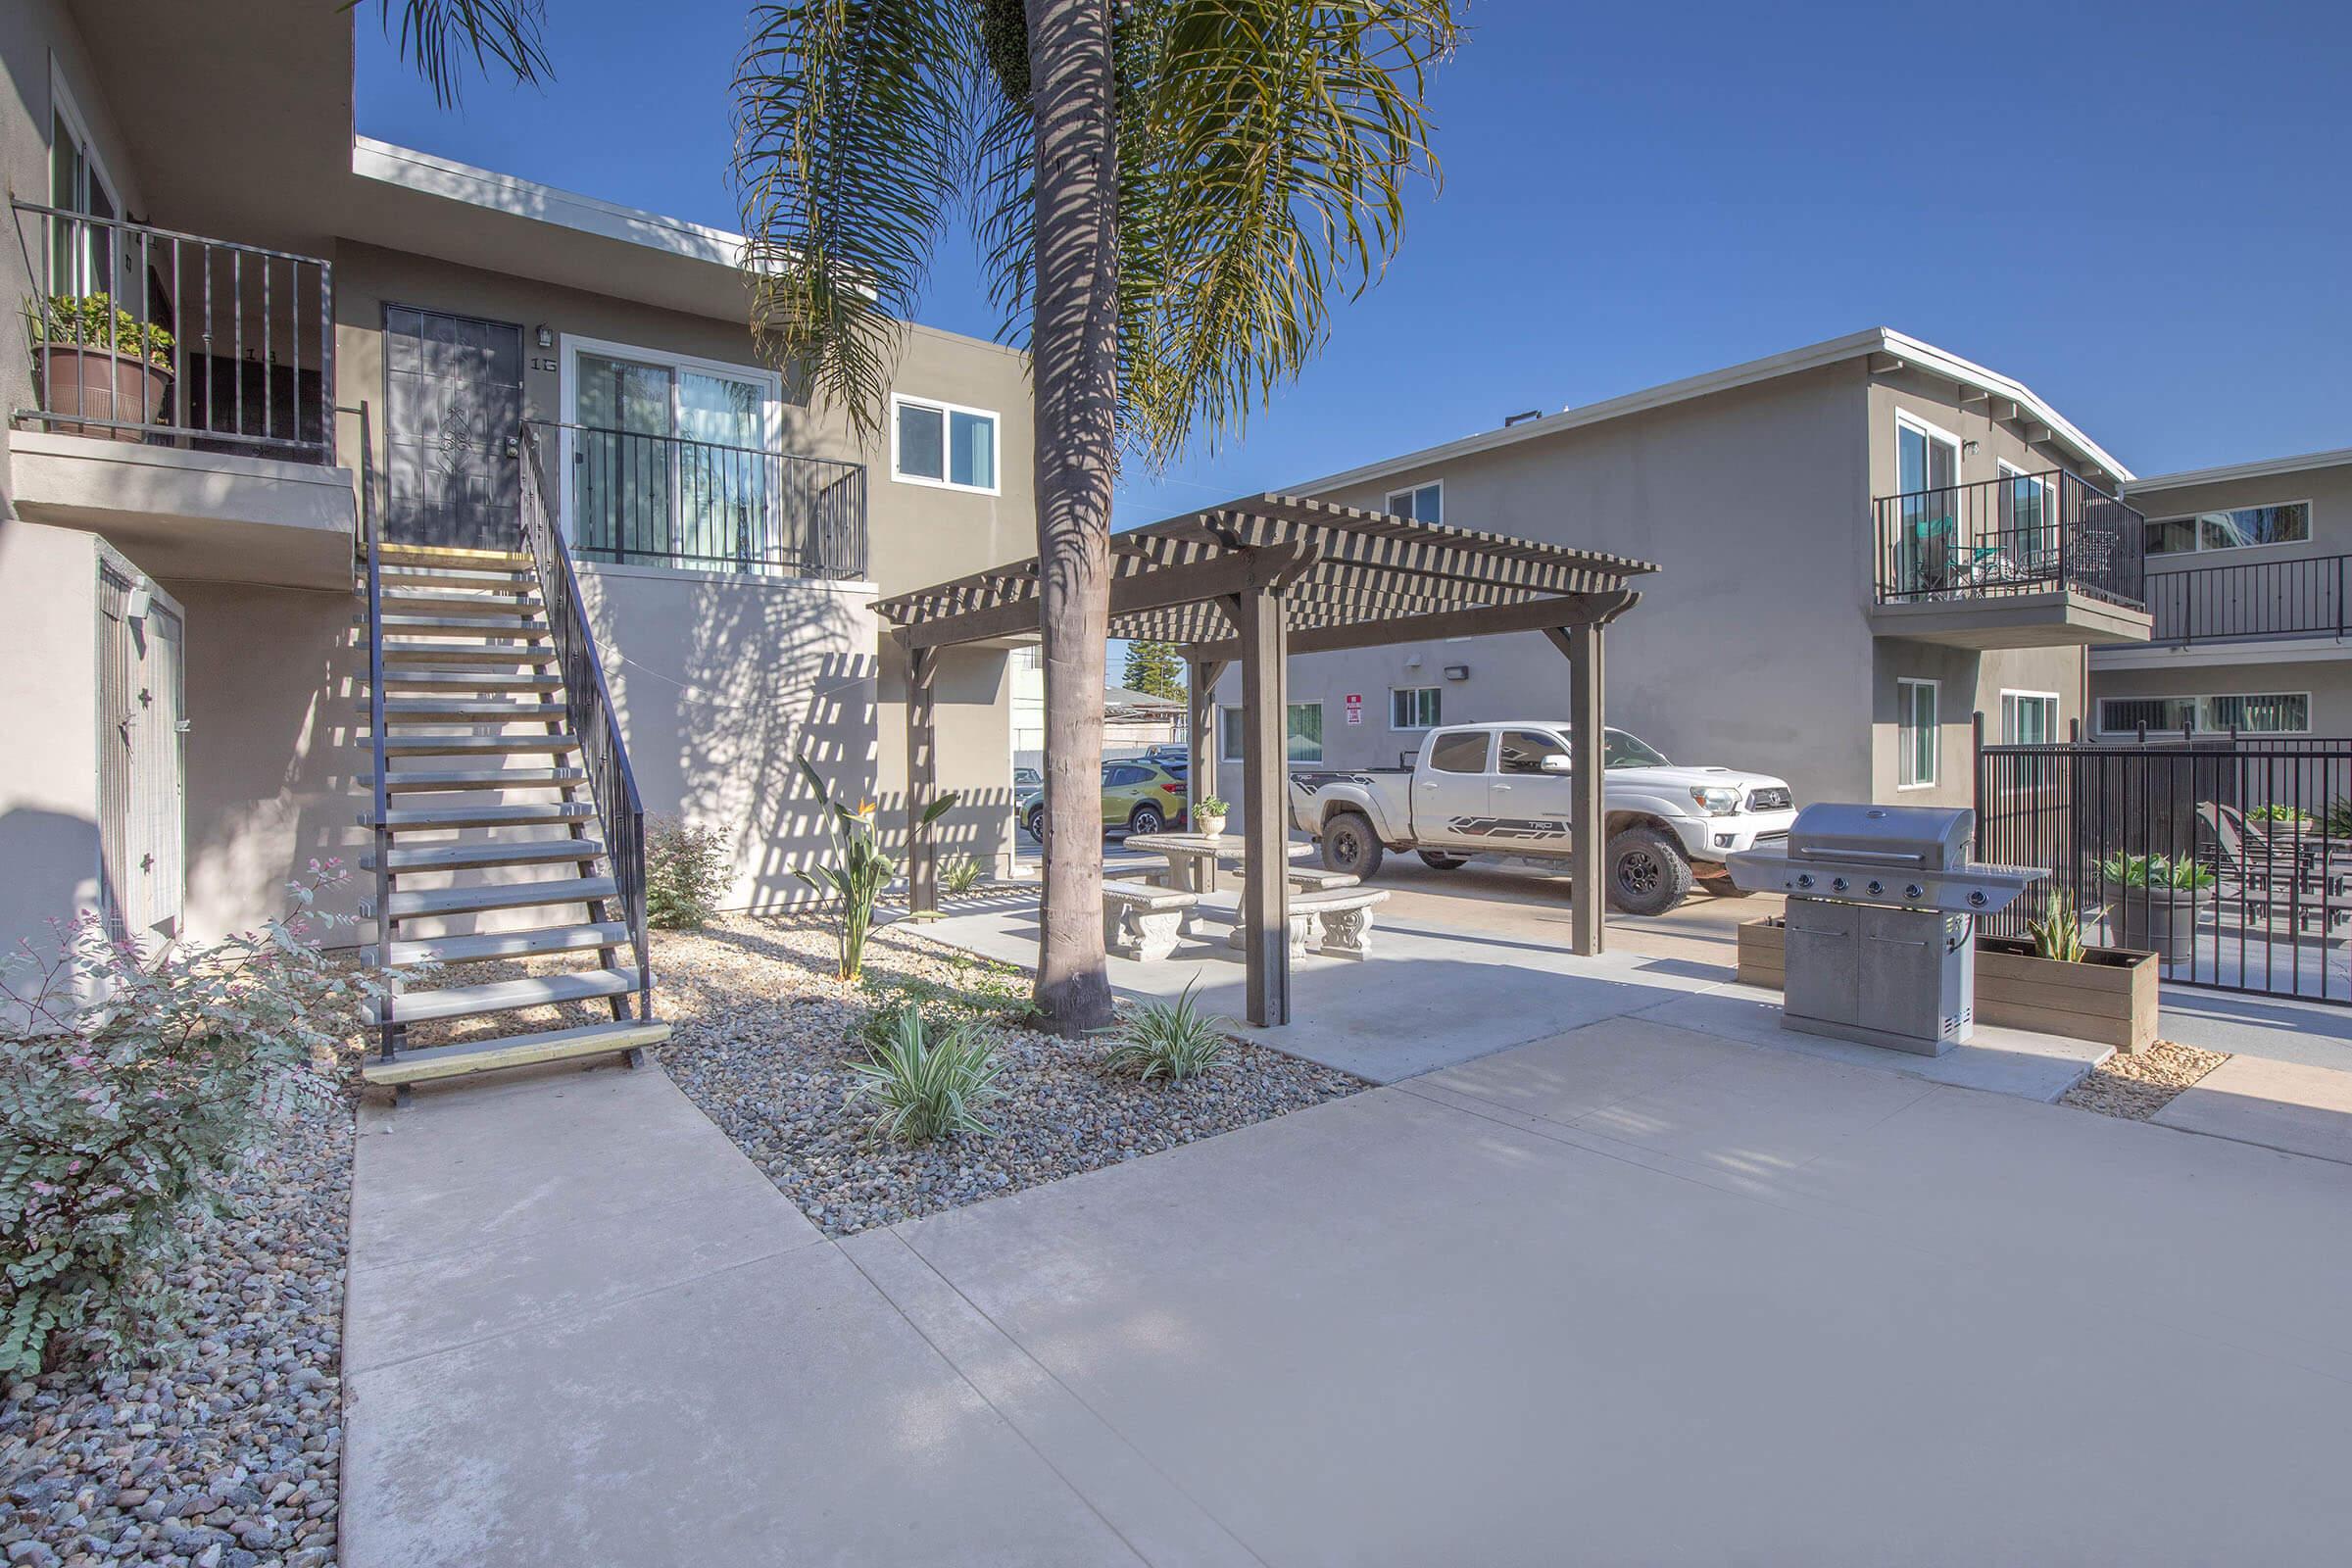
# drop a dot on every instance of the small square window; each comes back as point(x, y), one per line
point(1424, 502)
point(1414, 706)
point(944, 445)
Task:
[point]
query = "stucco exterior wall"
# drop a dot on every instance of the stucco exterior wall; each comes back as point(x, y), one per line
point(48, 689)
point(2328, 489)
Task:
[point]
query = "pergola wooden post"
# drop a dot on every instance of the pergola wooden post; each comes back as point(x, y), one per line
point(1200, 733)
point(923, 779)
point(1258, 580)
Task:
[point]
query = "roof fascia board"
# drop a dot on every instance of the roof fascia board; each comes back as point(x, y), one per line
point(2261, 468)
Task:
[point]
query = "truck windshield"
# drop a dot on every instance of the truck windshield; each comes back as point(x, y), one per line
point(1624, 751)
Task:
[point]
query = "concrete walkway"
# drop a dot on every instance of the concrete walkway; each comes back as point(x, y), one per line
point(1634, 1292)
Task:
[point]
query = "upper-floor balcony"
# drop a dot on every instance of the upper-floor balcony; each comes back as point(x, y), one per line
point(2028, 560)
point(639, 499)
point(181, 400)
point(2251, 601)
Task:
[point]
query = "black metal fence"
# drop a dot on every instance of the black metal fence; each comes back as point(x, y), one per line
point(2301, 598)
point(146, 334)
point(2228, 855)
point(2024, 533)
point(661, 500)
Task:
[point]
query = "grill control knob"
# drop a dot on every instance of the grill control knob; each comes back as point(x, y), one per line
point(1804, 879)
point(1876, 888)
point(1976, 898)
point(1913, 891)
point(1837, 885)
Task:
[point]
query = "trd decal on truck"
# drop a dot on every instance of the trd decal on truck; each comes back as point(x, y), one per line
point(1318, 783)
point(1506, 827)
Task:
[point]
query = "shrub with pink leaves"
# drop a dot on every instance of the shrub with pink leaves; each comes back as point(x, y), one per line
point(132, 1082)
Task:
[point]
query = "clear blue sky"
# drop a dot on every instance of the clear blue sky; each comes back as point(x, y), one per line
point(2138, 209)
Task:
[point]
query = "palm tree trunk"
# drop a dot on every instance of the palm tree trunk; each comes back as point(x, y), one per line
point(1074, 346)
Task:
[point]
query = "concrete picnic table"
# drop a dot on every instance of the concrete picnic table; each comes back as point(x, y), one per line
point(1193, 857)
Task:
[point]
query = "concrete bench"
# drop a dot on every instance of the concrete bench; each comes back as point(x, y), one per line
point(1346, 915)
point(1314, 879)
point(1143, 922)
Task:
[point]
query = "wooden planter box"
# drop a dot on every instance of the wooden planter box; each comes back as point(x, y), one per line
point(2109, 997)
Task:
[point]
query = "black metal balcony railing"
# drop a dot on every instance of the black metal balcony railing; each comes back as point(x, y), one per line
point(2025, 533)
point(658, 499)
point(2300, 598)
point(146, 334)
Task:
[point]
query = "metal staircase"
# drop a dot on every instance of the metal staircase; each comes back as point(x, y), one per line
point(500, 776)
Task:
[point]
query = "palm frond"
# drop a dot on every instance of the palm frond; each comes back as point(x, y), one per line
point(439, 37)
point(851, 133)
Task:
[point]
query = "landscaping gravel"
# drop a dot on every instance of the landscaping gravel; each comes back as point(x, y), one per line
point(765, 1035)
point(228, 1454)
point(2138, 1085)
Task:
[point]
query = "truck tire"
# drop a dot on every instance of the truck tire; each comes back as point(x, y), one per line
point(1646, 873)
point(1351, 847)
point(1443, 862)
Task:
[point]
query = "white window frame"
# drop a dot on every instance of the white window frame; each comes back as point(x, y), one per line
point(2011, 695)
point(1934, 432)
point(1395, 728)
point(2202, 707)
point(2311, 531)
point(567, 392)
point(67, 108)
point(996, 445)
point(1906, 749)
point(1411, 491)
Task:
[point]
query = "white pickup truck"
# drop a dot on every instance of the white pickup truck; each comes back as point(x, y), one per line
point(1502, 788)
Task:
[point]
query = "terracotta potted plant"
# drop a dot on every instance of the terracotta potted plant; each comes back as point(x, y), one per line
point(1208, 815)
point(96, 361)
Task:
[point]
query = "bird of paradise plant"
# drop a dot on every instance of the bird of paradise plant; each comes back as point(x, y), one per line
point(858, 869)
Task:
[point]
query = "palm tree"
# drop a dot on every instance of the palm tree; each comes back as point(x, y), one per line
point(1169, 194)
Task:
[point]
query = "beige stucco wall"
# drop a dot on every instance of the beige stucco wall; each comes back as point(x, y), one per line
point(2328, 489)
point(2326, 678)
point(49, 782)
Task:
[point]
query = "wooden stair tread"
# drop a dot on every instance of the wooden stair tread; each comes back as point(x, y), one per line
point(430, 709)
point(514, 1050)
point(408, 744)
point(484, 779)
point(397, 580)
point(446, 682)
point(486, 946)
point(518, 628)
point(398, 555)
point(479, 857)
point(488, 607)
point(502, 995)
point(437, 819)
point(411, 904)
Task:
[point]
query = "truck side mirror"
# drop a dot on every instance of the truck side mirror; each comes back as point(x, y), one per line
point(1555, 762)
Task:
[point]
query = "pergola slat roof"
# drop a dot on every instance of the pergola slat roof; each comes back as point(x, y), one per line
point(1353, 569)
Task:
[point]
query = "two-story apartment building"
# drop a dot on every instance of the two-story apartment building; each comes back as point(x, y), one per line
point(1862, 542)
point(2246, 579)
point(329, 338)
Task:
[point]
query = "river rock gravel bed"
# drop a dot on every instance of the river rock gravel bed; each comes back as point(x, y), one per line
point(228, 1454)
point(2139, 1085)
point(765, 1035)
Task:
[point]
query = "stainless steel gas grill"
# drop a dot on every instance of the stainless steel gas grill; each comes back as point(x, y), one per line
point(1882, 902)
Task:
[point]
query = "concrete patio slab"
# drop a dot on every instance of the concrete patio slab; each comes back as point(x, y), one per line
point(1386, 1330)
point(2278, 1104)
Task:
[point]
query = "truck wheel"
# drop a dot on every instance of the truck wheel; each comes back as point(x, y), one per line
point(1146, 820)
point(1443, 862)
point(1350, 846)
point(1646, 872)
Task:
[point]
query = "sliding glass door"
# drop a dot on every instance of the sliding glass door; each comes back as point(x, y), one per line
point(1927, 467)
point(671, 463)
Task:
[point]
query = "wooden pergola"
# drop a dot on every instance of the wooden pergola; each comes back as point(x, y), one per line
point(1260, 579)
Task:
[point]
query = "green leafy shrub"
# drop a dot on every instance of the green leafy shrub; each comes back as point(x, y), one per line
point(2339, 818)
point(1174, 1041)
point(1211, 805)
point(2276, 811)
point(131, 1085)
point(858, 871)
point(992, 996)
point(687, 871)
point(93, 320)
point(2154, 872)
point(923, 1088)
point(960, 876)
point(2058, 934)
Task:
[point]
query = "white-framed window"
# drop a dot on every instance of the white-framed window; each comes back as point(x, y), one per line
point(1423, 502)
point(943, 444)
point(1919, 733)
point(2283, 522)
point(1305, 731)
point(2247, 713)
point(1415, 706)
point(82, 255)
point(2029, 719)
point(670, 460)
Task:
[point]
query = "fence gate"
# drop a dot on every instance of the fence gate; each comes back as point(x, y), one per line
point(2228, 855)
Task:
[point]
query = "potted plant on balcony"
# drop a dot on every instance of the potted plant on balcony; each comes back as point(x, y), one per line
point(1208, 815)
point(2154, 902)
point(96, 361)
